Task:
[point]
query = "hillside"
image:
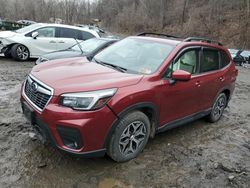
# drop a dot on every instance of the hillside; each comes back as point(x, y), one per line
point(224, 20)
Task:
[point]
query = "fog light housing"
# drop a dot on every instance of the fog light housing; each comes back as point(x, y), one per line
point(71, 137)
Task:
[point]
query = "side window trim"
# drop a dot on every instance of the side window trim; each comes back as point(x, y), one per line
point(57, 34)
point(179, 54)
point(221, 63)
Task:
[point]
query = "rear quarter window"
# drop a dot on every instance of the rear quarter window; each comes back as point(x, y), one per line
point(225, 60)
point(210, 61)
point(86, 35)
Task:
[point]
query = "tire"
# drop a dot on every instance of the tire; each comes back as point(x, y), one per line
point(7, 53)
point(20, 52)
point(130, 137)
point(218, 108)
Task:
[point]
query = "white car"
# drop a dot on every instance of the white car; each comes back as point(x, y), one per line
point(39, 39)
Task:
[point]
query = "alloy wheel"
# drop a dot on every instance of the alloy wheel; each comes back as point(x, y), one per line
point(22, 52)
point(132, 137)
point(219, 107)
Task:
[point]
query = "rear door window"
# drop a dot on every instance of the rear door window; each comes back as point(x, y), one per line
point(84, 35)
point(210, 60)
point(69, 33)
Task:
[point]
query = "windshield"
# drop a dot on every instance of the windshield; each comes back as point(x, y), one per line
point(138, 55)
point(89, 45)
point(28, 28)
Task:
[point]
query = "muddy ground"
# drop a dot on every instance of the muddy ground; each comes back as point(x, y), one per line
point(199, 154)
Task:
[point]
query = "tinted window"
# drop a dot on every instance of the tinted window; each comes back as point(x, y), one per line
point(188, 61)
point(210, 61)
point(46, 32)
point(224, 59)
point(69, 33)
point(86, 35)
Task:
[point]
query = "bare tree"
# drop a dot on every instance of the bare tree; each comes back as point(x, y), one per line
point(226, 20)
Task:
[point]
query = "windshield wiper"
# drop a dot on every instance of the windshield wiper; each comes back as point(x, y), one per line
point(121, 69)
point(79, 45)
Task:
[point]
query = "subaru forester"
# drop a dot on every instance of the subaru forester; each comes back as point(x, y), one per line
point(129, 92)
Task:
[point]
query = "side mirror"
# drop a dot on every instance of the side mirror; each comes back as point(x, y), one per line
point(89, 57)
point(34, 35)
point(181, 75)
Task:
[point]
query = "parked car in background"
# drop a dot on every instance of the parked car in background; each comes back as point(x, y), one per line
point(246, 55)
point(240, 56)
point(87, 48)
point(39, 39)
point(132, 90)
point(10, 25)
point(26, 22)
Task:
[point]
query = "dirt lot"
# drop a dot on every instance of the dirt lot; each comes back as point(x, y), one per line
point(196, 155)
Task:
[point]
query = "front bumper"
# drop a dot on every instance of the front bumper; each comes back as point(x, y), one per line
point(1, 49)
point(93, 126)
point(3, 45)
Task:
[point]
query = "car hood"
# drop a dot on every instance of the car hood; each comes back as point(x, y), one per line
point(62, 54)
point(78, 75)
point(7, 34)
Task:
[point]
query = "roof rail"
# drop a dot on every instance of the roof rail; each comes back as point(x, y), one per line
point(189, 39)
point(157, 34)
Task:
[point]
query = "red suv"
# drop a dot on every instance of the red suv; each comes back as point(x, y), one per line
point(130, 91)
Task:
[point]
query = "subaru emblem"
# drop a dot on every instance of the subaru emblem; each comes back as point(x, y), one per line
point(34, 86)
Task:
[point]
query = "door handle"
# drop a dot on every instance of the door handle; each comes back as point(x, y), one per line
point(222, 78)
point(61, 41)
point(198, 83)
point(52, 41)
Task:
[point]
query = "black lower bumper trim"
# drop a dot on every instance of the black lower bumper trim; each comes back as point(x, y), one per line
point(45, 135)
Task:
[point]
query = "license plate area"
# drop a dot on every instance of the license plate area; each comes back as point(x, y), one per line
point(28, 113)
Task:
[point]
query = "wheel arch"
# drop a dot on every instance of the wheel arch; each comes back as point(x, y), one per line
point(9, 46)
point(227, 92)
point(148, 108)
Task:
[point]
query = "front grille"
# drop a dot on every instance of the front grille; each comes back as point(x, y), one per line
point(38, 94)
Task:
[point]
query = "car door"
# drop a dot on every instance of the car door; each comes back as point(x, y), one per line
point(211, 78)
point(44, 43)
point(181, 98)
point(66, 37)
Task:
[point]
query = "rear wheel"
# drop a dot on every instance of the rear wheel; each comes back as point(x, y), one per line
point(130, 137)
point(218, 108)
point(20, 52)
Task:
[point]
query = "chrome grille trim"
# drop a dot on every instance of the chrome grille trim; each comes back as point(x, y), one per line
point(41, 97)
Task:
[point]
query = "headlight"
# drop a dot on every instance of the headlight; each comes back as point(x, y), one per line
point(87, 100)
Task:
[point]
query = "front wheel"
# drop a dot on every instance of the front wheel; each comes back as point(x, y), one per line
point(7, 53)
point(20, 52)
point(130, 137)
point(218, 108)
